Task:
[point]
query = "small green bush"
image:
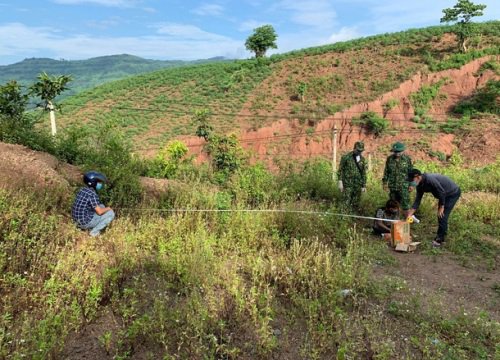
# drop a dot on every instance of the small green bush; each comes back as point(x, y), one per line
point(453, 126)
point(374, 123)
point(485, 100)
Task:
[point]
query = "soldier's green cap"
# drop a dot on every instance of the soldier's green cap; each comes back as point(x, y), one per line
point(398, 147)
point(359, 145)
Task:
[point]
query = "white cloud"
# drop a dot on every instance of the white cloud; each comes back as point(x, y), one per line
point(314, 13)
point(187, 32)
point(104, 24)
point(173, 41)
point(251, 24)
point(344, 34)
point(209, 10)
point(110, 3)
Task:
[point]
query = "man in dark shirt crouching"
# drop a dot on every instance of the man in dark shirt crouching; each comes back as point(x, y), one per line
point(443, 189)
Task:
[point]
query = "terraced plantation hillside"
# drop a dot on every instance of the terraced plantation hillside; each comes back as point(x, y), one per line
point(309, 84)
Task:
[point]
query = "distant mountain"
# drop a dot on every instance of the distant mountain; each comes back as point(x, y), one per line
point(89, 73)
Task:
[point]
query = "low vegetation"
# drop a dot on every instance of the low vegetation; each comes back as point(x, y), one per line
point(240, 285)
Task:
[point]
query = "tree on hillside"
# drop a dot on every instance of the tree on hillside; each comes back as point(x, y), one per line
point(13, 119)
point(12, 104)
point(462, 13)
point(203, 127)
point(262, 39)
point(47, 88)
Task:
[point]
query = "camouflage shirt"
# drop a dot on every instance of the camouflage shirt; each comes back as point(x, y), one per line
point(349, 172)
point(396, 171)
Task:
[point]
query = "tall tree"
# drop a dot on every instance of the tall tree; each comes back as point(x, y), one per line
point(262, 39)
point(12, 102)
point(13, 116)
point(47, 88)
point(462, 13)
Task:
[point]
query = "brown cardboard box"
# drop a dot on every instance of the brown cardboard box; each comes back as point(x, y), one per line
point(401, 238)
point(400, 233)
point(407, 247)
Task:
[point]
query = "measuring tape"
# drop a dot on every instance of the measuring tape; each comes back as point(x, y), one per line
point(306, 212)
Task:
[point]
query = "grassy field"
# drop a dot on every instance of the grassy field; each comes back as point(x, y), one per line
point(243, 285)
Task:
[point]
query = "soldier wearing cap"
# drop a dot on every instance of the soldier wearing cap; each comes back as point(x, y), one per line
point(352, 176)
point(397, 168)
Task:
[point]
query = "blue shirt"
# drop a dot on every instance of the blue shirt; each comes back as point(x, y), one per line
point(83, 209)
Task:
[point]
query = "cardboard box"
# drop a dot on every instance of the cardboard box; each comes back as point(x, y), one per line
point(400, 233)
point(407, 247)
point(401, 238)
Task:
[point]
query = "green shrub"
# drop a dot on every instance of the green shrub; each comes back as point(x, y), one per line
point(486, 100)
point(107, 150)
point(492, 65)
point(313, 180)
point(453, 126)
point(169, 160)
point(422, 99)
point(389, 105)
point(253, 185)
point(374, 123)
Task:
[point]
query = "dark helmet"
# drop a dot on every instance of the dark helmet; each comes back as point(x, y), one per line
point(91, 178)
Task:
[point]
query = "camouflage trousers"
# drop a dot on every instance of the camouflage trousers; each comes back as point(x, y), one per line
point(351, 197)
point(402, 196)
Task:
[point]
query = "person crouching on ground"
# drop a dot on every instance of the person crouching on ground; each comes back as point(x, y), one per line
point(443, 189)
point(389, 212)
point(87, 210)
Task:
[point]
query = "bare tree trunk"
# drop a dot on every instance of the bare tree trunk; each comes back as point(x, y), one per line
point(52, 119)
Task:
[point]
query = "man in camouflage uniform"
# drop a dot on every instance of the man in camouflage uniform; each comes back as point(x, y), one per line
point(352, 176)
point(397, 168)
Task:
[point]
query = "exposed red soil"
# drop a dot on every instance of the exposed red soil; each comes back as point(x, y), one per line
point(481, 144)
point(290, 139)
point(22, 168)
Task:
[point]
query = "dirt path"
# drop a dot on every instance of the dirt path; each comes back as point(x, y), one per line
point(442, 279)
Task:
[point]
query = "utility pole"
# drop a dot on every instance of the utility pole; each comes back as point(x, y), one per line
point(334, 149)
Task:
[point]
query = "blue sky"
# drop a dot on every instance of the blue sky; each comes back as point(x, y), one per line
point(193, 29)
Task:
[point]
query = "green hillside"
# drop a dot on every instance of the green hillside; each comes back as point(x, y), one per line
point(87, 73)
point(158, 106)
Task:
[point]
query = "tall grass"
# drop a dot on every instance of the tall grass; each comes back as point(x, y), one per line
point(241, 285)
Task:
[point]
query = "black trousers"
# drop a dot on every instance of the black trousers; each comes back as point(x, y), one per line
point(449, 204)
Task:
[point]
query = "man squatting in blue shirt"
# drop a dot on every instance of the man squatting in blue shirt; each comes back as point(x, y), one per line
point(87, 211)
